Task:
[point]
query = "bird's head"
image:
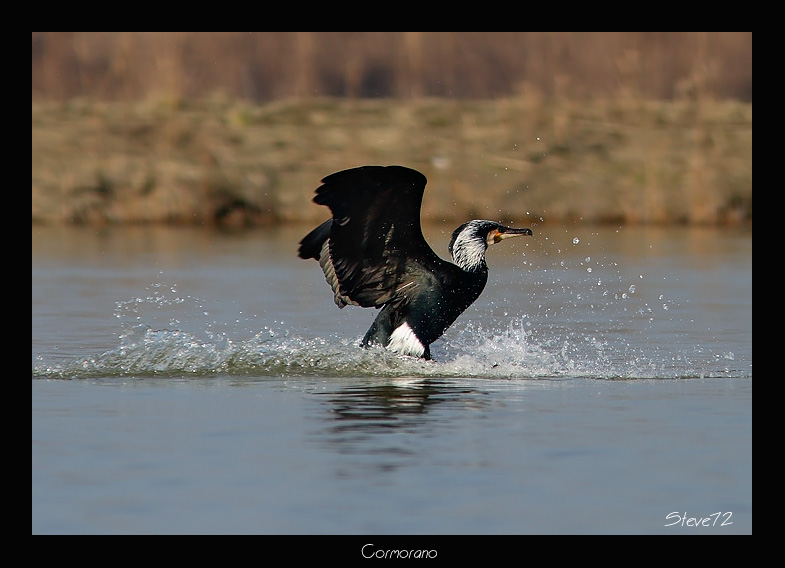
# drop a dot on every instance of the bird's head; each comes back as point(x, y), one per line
point(470, 241)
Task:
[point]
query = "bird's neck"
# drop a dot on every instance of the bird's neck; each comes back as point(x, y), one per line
point(469, 254)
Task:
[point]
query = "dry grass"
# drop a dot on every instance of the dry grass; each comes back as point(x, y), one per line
point(239, 164)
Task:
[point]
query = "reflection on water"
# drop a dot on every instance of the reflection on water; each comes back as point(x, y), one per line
point(379, 428)
point(382, 406)
point(362, 409)
point(372, 421)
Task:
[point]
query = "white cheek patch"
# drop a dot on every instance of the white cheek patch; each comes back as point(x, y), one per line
point(404, 341)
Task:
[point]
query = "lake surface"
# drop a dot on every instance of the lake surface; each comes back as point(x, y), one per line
point(192, 381)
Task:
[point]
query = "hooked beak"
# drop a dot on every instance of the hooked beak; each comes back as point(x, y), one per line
point(497, 235)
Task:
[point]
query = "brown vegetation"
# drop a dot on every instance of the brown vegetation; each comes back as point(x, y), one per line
point(220, 162)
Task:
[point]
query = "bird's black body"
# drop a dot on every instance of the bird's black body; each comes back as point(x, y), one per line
point(373, 254)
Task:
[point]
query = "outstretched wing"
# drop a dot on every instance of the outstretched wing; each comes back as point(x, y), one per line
point(372, 249)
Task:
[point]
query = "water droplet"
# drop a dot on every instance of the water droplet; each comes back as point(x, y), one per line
point(632, 288)
point(575, 240)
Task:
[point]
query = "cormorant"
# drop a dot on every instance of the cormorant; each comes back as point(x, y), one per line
point(373, 254)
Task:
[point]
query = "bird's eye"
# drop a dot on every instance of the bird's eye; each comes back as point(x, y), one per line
point(493, 237)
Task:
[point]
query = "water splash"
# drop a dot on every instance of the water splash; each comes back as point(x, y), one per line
point(472, 352)
point(167, 334)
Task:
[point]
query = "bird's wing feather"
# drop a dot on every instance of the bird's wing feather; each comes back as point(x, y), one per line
point(375, 240)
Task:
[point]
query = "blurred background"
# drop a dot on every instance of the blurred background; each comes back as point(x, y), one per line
point(235, 129)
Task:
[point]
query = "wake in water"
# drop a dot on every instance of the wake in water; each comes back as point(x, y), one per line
point(165, 334)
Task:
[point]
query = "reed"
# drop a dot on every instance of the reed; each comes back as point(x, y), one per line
point(265, 66)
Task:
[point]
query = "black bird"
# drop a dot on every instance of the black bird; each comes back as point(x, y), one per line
point(373, 254)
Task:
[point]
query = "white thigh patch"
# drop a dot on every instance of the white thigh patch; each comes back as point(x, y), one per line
point(404, 341)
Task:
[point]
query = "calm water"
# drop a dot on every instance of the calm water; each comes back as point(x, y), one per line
point(187, 381)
